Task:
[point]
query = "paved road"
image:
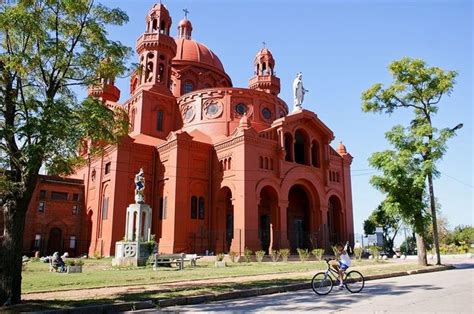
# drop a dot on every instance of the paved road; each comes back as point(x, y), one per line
point(440, 292)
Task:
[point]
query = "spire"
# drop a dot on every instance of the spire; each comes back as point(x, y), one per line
point(341, 149)
point(185, 27)
point(264, 75)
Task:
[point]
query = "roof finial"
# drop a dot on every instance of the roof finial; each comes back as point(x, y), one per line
point(186, 11)
point(264, 44)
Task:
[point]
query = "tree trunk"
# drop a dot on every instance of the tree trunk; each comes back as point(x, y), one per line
point(421, 249)
point(11, 246)
point(14, 206)
point(433, 218)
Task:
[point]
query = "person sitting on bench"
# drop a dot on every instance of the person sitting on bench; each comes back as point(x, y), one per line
point(57, 263)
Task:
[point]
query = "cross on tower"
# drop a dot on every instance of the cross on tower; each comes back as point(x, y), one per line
point(264, 43)
point(186, 11)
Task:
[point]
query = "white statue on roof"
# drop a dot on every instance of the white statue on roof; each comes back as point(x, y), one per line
point(298, 92)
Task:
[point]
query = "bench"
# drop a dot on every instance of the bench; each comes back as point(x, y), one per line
point(192, 258)
point(177, 259)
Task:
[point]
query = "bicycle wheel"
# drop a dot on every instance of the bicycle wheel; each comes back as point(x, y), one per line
point(321, 283)
point(354, 281)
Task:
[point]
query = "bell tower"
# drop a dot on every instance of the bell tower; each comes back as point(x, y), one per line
point(156, 48)
point(264, 78)
point(152, 107)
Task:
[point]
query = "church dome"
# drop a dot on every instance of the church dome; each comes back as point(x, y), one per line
point(193, 51)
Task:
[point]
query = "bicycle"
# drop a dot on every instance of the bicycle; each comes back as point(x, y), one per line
point(322, 282)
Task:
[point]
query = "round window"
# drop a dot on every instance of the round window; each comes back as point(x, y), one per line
point(189, 114)
point(266, 113)
point(212, 109)
point(241, 108)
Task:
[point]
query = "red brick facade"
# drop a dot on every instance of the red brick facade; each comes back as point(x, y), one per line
point(55, 219)
point(225, 167)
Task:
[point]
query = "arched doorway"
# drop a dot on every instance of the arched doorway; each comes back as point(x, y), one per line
point(298, 218)
point(225, 221)
point(55, 240)
point(267, 215)
point(335, 220)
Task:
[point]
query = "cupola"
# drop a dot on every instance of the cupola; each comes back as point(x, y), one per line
point(264, 75)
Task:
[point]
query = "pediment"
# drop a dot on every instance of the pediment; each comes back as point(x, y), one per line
point(306, 119)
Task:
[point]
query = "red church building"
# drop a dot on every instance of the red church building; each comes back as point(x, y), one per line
point(226, 167)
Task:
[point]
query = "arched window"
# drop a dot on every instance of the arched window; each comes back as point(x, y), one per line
point(288, 147)
point(161, 71)
point(132, 119)
point(266, 163)
point(228, 164)
point(162, 27)
point(188, 87)
point(301, 148)
point(154, 28)
point(194, 207)
point(201, 208)
point(225, 164)
point(159, 120)
point(315, 154)
point(271, 163)
point(261, 162)
point(105, 204)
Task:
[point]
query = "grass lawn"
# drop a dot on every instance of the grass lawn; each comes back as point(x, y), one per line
point(100, 273)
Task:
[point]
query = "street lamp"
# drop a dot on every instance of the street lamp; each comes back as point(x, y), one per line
point(457, 127)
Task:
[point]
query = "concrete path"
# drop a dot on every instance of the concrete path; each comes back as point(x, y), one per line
point(439, 292)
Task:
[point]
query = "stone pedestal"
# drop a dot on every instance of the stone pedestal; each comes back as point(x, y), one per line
point(134, 250)
point(138, 222)
point(130, 253)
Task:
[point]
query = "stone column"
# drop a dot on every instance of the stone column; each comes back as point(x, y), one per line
point(283, 213)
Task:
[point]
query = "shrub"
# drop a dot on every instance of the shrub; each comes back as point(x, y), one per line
point(97, 255)
point(220, 257)
point(334, 250)
point(275, 255)
point(318, 254)
point(303, 254)
point(259, 255)
point(285, 253)
point(358, 252)
point(74, 262)
point(375, 251)
point(248, 254)
point(233, 256)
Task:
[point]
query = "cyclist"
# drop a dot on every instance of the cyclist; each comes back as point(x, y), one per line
point(342, 264)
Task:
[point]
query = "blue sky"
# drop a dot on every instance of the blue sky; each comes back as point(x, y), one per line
point(342, 48)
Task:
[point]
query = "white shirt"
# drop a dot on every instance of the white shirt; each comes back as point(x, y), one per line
point(345, 259)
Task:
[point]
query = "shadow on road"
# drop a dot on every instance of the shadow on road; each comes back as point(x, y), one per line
point(336, 300)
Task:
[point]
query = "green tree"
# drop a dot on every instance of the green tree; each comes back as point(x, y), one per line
point(463, 234)
point(408, 246)
point(47, 47)
point(402, 179)
point(418, 87)
point(390, 223)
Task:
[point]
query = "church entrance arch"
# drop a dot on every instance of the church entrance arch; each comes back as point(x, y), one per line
point(55, 240)
point(298, 218)
point(267, 217)
point(335, 220)
point(225, 221)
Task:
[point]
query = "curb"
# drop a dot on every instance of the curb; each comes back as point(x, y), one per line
point(153, 304)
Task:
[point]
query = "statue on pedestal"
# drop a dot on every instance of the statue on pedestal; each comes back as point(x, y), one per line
point(298, 92)
point(139, 187)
